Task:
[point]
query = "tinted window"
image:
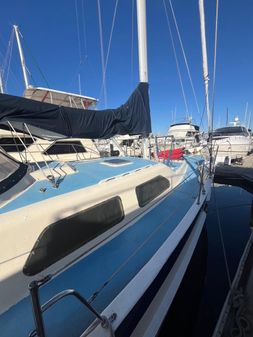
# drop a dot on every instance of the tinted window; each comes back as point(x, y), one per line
point(149, 190)
point(65, 148)
point(10, 172)
point(230, 131)
point(65, 236)
point(14, 144)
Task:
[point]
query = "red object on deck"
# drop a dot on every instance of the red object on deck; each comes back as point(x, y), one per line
point(171, 154)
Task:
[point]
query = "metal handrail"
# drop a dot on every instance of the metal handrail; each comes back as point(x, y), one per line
point(39, 309)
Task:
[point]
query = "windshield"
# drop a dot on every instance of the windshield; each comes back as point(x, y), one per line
point(231, 131)
point(7, 167)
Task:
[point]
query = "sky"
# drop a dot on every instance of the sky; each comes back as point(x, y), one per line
point(62, 47)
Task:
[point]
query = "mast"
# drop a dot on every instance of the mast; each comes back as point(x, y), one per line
point(22, 59)
point(205, 64)
point(142, 51)
point(142, 40)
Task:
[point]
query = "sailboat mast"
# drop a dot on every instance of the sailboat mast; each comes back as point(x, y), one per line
point(142, 40)
point(205, 64)
point(142, 51)
point(22, 59)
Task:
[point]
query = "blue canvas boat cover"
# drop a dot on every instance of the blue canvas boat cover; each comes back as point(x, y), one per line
point(51, 121)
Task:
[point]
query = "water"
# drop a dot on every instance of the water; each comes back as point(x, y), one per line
point(197, 307)
point(230, 207)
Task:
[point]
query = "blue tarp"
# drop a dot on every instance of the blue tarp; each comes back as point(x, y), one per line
point(51, 121)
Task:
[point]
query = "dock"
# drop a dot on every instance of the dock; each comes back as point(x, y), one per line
point(236, 174)
point(236, 319)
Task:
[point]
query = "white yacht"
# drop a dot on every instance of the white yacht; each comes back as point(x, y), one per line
point(186, 135)
point(231, 142)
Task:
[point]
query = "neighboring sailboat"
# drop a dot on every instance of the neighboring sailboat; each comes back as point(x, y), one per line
point(29, 148)
point(119, 233)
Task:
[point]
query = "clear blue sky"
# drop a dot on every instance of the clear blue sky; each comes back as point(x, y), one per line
point(56, 48)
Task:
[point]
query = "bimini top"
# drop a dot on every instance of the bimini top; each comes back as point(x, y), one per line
point(59, 97)
point(50, 121)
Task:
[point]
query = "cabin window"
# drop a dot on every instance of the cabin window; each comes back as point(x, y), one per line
point(65, 148)
point(14, 144)
point(149, 190)
point(66, 235)
point(10, 172)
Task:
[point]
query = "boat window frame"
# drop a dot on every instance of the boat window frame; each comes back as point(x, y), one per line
point(141, 191)
point(11, 180)
point(63, 237)
point(57, 144)
point(16, 145)
point(231, 131)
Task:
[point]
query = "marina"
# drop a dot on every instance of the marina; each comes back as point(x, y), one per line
point(238, 175)
point(114, 221)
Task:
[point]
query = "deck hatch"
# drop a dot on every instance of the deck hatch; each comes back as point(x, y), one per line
point(116, 162)
point(149, 190)
point(66, 235)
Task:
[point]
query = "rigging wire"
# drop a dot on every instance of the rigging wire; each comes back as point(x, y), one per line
point(215, 56)
point(36, 64)
point(184, 55)
point(84, 32)
point(78, 34)
point(84, 47)
point(112, 29)
point(9, 55)
point(7, 58)
point(6, 66)
point(102, 53)
point(109, 46)
point(176, 59)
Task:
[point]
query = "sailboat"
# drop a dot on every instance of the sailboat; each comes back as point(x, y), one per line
point(29, 148)
point(98, 247)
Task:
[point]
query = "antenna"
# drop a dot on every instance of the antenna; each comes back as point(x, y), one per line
point(249, 121)
point(21, 54)
point(246, 113)
point(1, 82)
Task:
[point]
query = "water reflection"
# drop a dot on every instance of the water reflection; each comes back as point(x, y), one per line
point(199, 301)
